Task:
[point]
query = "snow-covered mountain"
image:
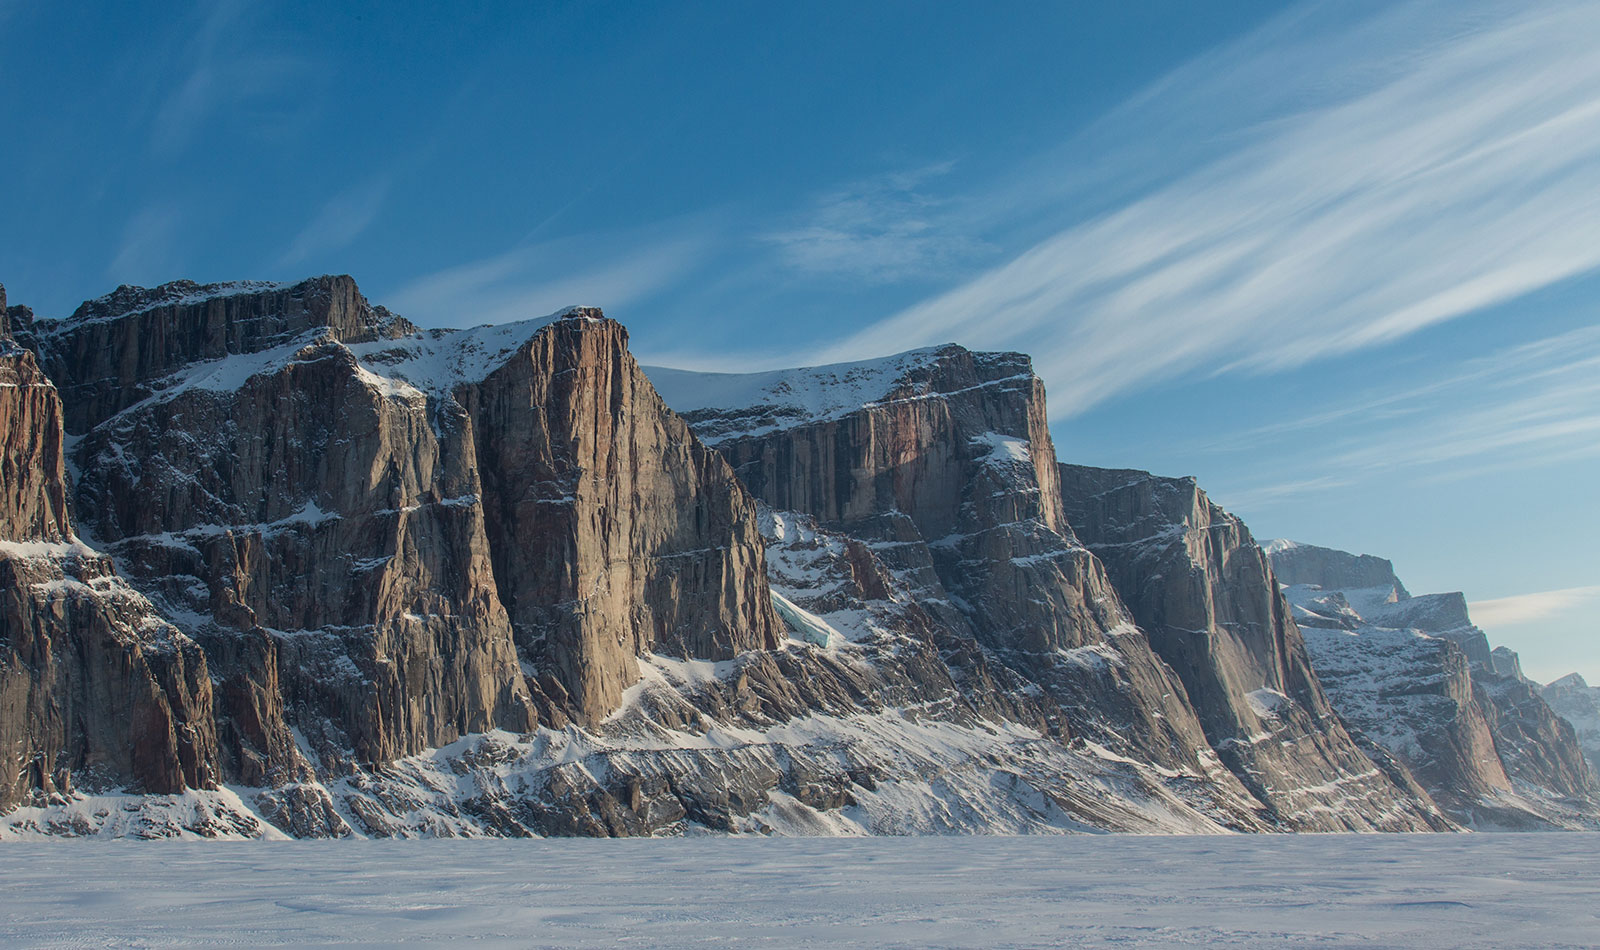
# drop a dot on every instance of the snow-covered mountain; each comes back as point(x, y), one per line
point(1417, 675)
point(275, 561)
point(1579, 703)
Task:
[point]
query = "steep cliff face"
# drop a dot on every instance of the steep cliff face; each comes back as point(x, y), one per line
point(1576, 701)
point(118, 349)
point(96, 690)
point(1539, 748)
point(615, 533)
point(33, 500)
point(939, 464)
point(307, 495)
point(1204, 594)
point(388, 581)
point(1417, 675)
point(1332, 569)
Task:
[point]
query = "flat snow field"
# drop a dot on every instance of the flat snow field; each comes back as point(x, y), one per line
point(1489, 890)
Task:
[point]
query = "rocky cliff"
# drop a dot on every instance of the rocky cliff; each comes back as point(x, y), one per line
point(297, 479)
point(1333, 569)
point(1576, 701)
point(938, 462)
point(1205, 595)
point(341, 575)
point(1418, 676)
point(96, 689)
point(614, 532)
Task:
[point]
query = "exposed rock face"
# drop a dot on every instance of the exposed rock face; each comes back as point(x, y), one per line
point(1505, 662)
point(317, 509)
point(392, 582)
point(1204, 594)
point(1418, 676)
point(939, 463)
point(1414, 695)
point(615, 533)
point(1332, 569)
point(95, 688)
point(1578, 703)
point(298, 479)
point(1540, 749)
point(33, 500)
point(114, 350)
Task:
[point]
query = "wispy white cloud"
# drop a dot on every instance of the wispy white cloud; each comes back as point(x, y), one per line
point(880, 230)
point(147, 249)
point(611, 270)
point(1422, 164)
point(340, 221)
point(226, 62)
point(1532, 608)
point(1261, 496)
point(1532, 405)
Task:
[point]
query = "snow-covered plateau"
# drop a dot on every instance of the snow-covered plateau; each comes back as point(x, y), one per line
point(1458, 891)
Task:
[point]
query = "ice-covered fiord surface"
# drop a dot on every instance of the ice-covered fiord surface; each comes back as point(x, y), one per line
point(1500, 891)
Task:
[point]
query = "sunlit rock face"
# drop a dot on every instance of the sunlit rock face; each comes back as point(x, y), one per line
point(1205, 595)
point(297, 479)
point(1415, 674)
point(614, 532)
point(96, 689)
point(275, 561)
point(939, 462)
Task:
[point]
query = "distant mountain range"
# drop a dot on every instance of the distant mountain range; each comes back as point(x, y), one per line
point(276, 562)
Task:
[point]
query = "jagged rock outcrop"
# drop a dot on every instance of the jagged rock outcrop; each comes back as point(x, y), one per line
point(1505, 662)
point(317, 517)
point(1418, 676)
point(939, 463)
point(1579, 703)
point(340, 575)
point(1203, 592)
point(615, 533)
point(96, 690)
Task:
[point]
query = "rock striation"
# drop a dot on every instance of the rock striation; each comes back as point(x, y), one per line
point(1576, 701)
point(1206, 597)
point(304, 484)
point(275, 562)
point(1416, 674)
point(96, 689)
point(939, 463)
point(614, 533)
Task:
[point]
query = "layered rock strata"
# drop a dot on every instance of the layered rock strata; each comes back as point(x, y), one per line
point(1204, 594)
point(96, 689)
point(304, 483)
point(1417, 675)
point(939, 463)
point(388, 581)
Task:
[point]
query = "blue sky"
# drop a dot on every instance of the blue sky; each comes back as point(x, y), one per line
point(1336, 260)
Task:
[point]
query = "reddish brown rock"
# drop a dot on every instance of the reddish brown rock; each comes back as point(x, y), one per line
point(361, 522)
point(96, 690)
point(1205, 595)
point(614, 532)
